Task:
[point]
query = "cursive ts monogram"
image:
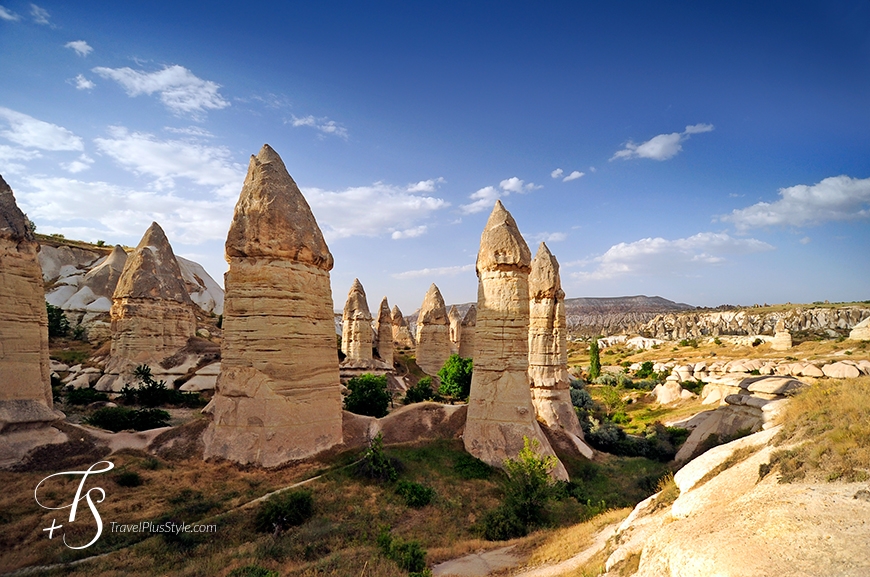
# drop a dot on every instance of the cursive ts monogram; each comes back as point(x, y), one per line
point(78, 497)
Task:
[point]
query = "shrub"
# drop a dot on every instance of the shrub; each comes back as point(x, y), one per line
point(594, 360)
point(455, 377)
point(368, 396)
point(502, 524)
point(757, 342)
point(581, 399)
point(84, 396)
point(284, 510)
point(58, 325)
point(128, 479)
point(689, 343)
point(120, 418)
point(420, 392)
point(408, 555)
point(416, 495)
point(529, 485)
point(376, 465)
point(645, 371)
point(153, 393)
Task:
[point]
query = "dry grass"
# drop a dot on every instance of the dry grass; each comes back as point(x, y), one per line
point(562, 544)
point(829, 424)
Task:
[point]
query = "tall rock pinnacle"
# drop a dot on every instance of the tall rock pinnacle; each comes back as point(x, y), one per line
point(433, 332)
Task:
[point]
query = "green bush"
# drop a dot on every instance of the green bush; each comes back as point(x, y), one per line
point(689, 343)
point(284, 510)
point(645, 371)
point(502, 524)
point(376, 465)
point(153, 393)
point(408, 555)
point(368, 396)
point(529, 485)
point(416, 495)
point(420, 392)
point(581, 399)
point(58, 325)
point(84, 396)
point(594, 360)
point(455, 377)
point(120, 419)
point(128, 479)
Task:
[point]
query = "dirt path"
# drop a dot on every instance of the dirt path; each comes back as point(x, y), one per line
point(577, 560)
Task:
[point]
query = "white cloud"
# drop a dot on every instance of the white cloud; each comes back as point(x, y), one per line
point(40, 15)
point(81, 164)
point(6, 14)
point(663, 146)
point(410, 232)
point(371, 210)
point(324, 125)
point(806, 240)
point(835, 198)
point(8, 156)
point(32, 133)
point(81, 47)
point(556, 173)
point(83, 83)
point(430, 272)
point(592, 169)
point(194, 131)
point(573, 176)
point(550, 237)
point(483, 199)
point(167, 160)
point(514, 184)
point(181, 91)
point(426, 185)
point(656, 256)
point(123, 212)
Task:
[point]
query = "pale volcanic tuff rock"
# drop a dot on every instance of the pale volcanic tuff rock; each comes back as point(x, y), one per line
point(278, 397)
point(402, 336)
point(500, 409)
point(384, 331)
point(455, 328)
point(469, 331)
point(356, 332)
point(433, 333)
point(861, 331)
point(152, 314)
point(548, 350)
point(26, 407)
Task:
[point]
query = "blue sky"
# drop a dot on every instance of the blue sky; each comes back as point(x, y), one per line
point(705, 152)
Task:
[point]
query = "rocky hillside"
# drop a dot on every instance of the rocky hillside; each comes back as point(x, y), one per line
point(614, 315)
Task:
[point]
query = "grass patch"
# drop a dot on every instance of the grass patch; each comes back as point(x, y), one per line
point(563, 544)
point(829, 423)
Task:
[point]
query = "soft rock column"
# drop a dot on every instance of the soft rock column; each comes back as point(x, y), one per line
point(433, 333)
point(356, 326)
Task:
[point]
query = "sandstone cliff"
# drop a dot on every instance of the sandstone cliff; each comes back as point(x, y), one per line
point(278, 396)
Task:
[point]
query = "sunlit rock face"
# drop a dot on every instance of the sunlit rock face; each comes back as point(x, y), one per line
point(455, 320)
point(468, 332)
point(384, 331)
point(277, 398)
point(26, 407)
point(500, 409)
point(152, 314)
point(356, 333)
point(402, 336)
point(433, 333)
point(548, 352)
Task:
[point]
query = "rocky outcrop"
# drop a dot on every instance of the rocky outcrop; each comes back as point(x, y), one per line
point(152, 314)
point(822, 321)
point(277, 398)
point(455, 319)
point(356, 321)
point(861, 331)
point(384, 331)
point(469, 333)
point(402, 336)
point(614, 315)
point(433, 333)
point(26, 407)
point(548, 350)
point(500, 409)
point(781, 337)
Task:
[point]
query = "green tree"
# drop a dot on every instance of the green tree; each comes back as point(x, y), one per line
point(455, 377)
point(594, 360)
point(368, 395)
point(529, 484)
point(58, 325)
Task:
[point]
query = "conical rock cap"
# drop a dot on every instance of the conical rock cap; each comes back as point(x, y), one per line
point(433, 311)
point(544, 280)
point(272, 219)
point(13, 223)
point(470, 318)
point(152, 271)
point(356, 305)
point(502, 247)
point(384, 314)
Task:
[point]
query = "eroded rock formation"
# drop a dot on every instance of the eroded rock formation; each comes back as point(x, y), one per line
point(384, 331)
point(469, 331)
point(500, 410)
point(433, 332)
point(455, 328)
point(152, 314)
point(548, 350)
point(781, 337)
point(356, 321)
point(402, 336)
point(277, 398)
point(861, 331)
point(26, 407)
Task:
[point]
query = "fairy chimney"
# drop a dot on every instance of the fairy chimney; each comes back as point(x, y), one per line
point(356, 325)
point(433, 333)
point(455, 328)
point(469, 327)
point(402, 336)
point(385, 332)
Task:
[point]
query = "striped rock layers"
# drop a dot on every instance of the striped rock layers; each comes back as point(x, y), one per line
point(277, 398)
point(384, 331)
point(356, 326)
point(402, 336)
point(500, 409)
point(469, 326)
point(548, 352)
point(433, 333)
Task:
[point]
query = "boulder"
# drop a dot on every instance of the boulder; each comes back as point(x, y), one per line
point(433, 333)
point(278, 397)
point(841, 370)
point(861, 331)
point(500, 409)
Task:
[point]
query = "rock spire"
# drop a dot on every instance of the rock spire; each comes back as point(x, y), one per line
point(385, 332)
point(402, 336)
point(469, 328)
point(548, 351)
point(356, 325)
point(277, 398)
point(433, 332)
point(455, 320)
point(500, 409)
